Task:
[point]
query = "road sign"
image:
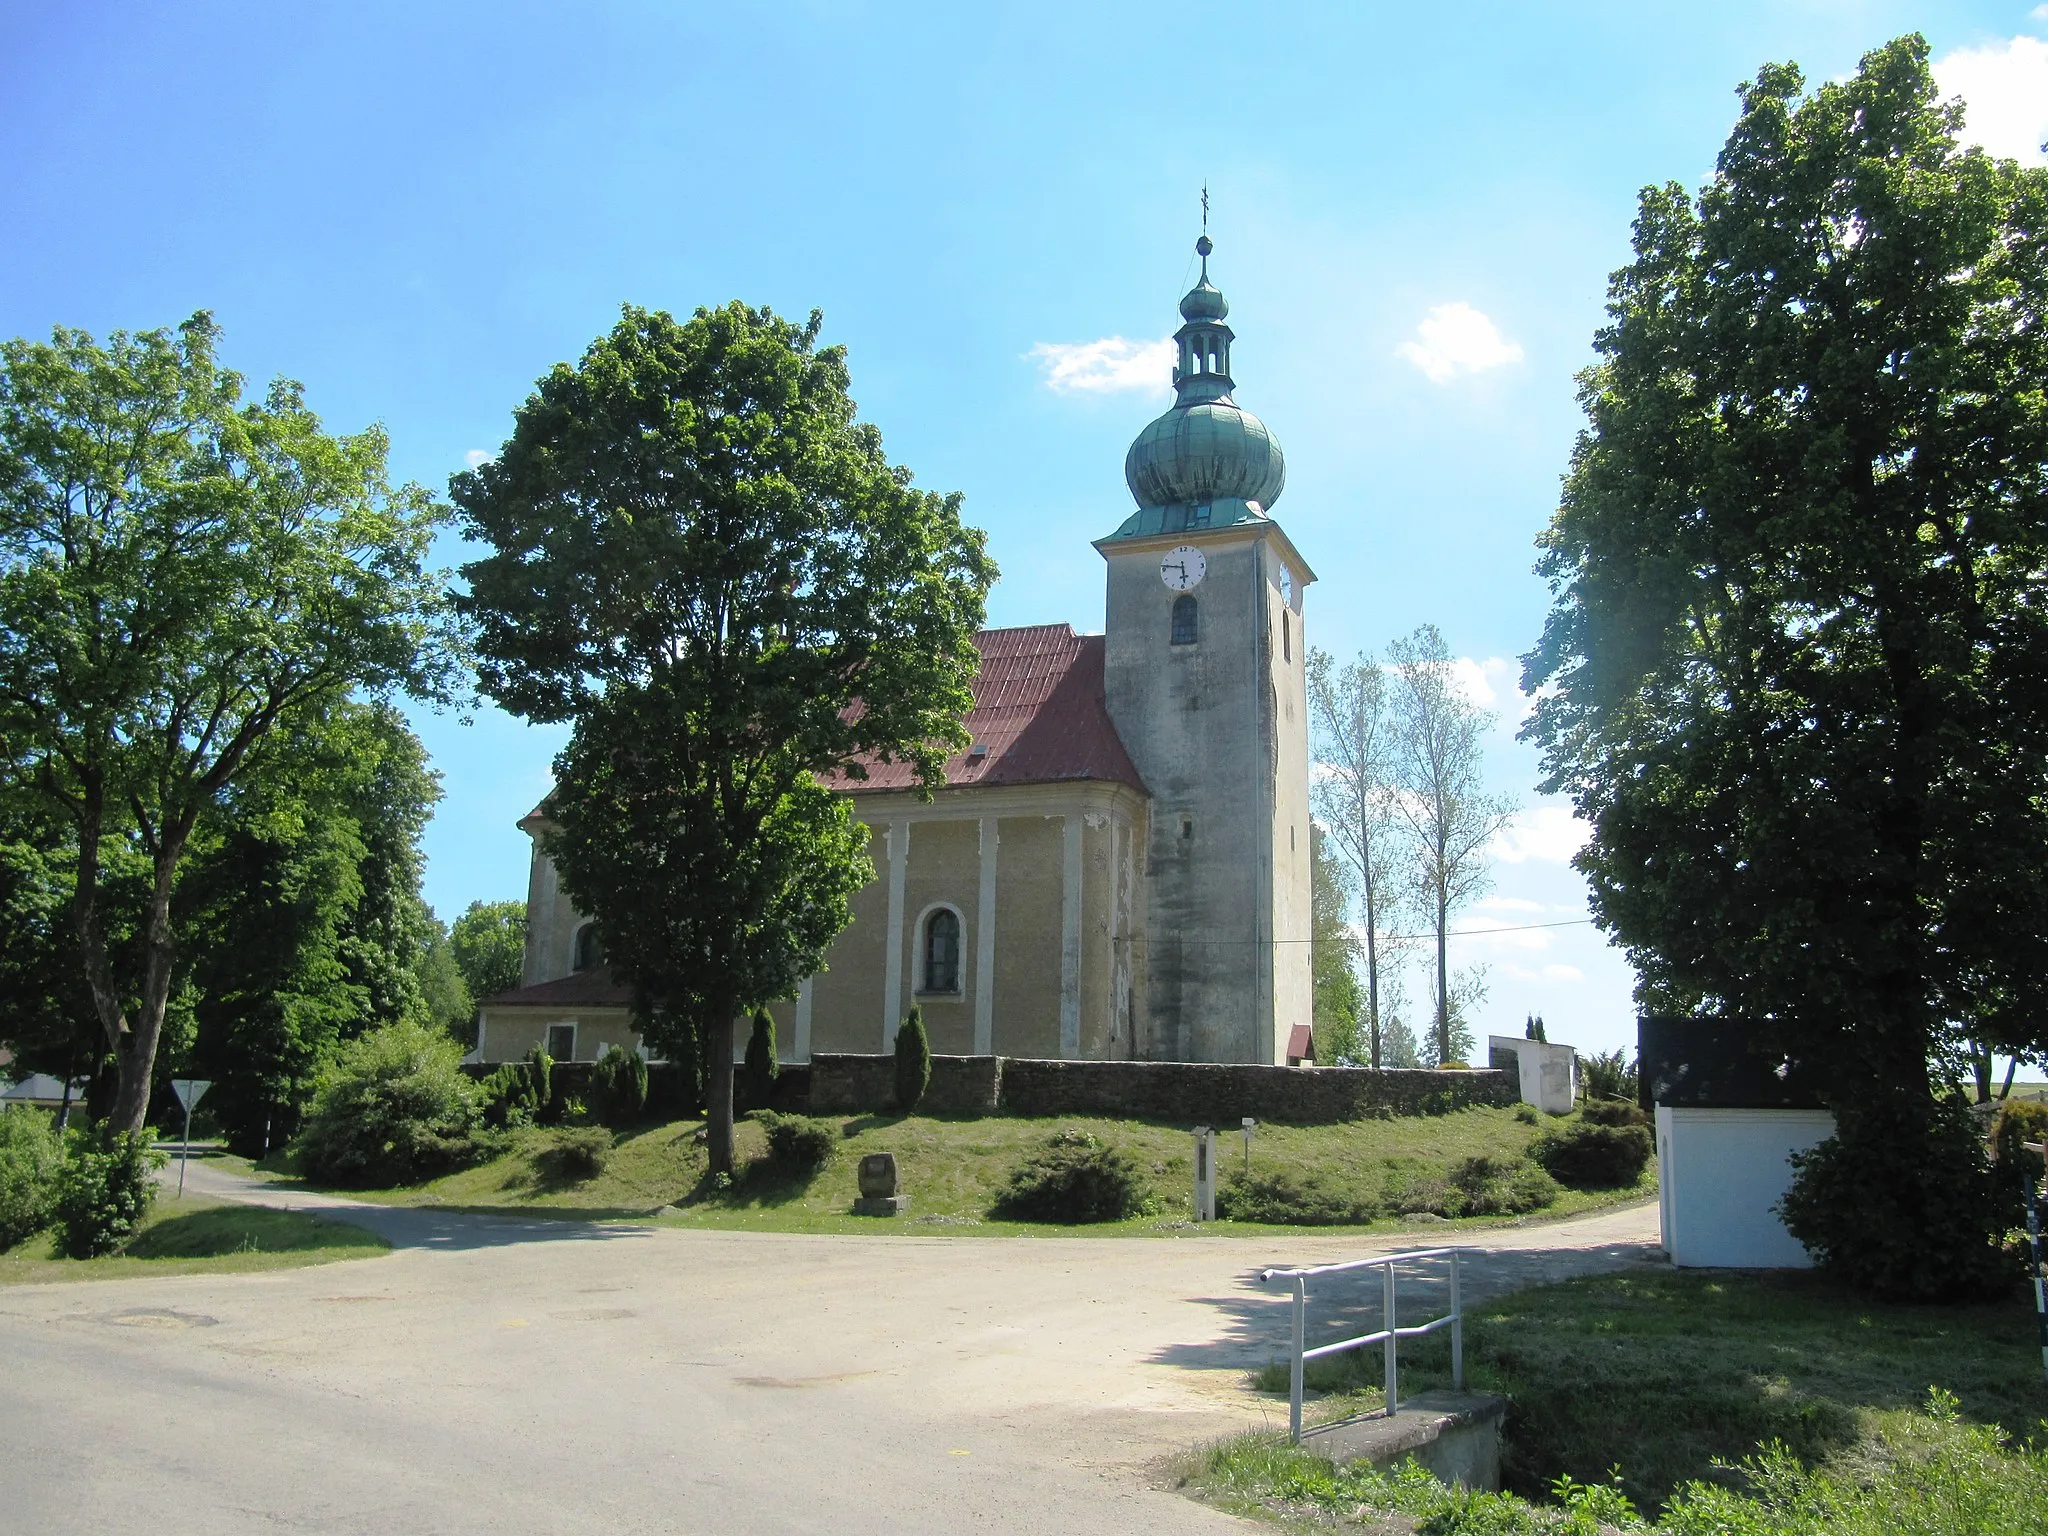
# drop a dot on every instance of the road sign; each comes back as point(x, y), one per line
point(190, 1090)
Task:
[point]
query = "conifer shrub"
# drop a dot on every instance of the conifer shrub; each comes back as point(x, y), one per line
point(540, 1068)
point(104, 1190)
point(913, 1061)
point(798, 1145)
point(1074, 1177)
point(508, 1097)
point(31, 1159)
point(576, 1155)
point(1608, 1075)
point(618, 1088)
point(1501, 1186)
point(1612, 1112)
point(1286, 1198)
point(1592, 1156)
point(759, 1069)
point(394, 1108)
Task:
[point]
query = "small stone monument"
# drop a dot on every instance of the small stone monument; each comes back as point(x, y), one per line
point(878, 1196)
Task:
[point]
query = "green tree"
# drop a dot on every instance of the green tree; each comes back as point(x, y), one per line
point(298, 912)
point(489, 945)
point(449, 1002)
point(1796, 676)
point(182, 572)
point(1448, 816)
point(706, 564)
point(1333, 949)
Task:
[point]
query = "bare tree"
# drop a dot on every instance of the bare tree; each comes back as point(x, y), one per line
point(1355, 790)
point(1448, 817)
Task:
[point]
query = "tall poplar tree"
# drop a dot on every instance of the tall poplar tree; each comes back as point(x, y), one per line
point(1796, 676)
point(703, 562)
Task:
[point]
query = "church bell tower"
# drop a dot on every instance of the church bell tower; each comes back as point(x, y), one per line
point(1204, 678)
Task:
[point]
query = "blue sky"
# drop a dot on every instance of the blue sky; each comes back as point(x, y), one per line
point(417, 209)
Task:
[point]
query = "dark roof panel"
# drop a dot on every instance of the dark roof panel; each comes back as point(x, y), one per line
point(586, 989)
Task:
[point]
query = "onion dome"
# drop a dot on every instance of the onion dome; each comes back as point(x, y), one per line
point(1207, 450)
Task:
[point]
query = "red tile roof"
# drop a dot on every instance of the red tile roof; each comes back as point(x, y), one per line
point(586, 989)
point(1038, 709)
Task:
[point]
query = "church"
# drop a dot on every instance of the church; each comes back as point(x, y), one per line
point(1118, 864)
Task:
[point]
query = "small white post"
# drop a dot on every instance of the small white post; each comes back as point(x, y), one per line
point(1296, 1375)
point(1392, 1387)
point(1457, 1330)
point(1205, 1174)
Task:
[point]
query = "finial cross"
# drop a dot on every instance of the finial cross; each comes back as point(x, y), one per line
point(1205, 207)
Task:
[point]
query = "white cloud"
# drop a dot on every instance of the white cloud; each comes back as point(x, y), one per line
point(477, 458)
point(1548, 833)
point(2004, 87)
point(1509, 904)
point(1454, 339)
point(1563, 973)
point(1112, 365)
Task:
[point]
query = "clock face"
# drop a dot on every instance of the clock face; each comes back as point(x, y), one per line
point(1183, 568)
point(1286, 586)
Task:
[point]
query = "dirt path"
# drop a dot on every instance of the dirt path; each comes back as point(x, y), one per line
point(537, 1375)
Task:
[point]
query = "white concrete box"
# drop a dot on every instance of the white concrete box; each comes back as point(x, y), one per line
point(1549, 1073)
point(1719, 1173)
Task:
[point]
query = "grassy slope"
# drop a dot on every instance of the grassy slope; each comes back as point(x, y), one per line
point(1667, 1374)
point(198, 1235)
point(953, 1169)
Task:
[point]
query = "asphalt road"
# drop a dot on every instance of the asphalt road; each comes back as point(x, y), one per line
point(538, 1376)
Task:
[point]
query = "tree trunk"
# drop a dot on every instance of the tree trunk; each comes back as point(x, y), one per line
point(718, 1087)
point(1443, 982)
point(135, 1053)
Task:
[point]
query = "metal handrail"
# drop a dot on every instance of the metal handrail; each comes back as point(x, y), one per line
point(1388, 1337)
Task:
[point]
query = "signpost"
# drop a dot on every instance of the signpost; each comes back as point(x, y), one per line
point(190, 1090)
point(1250, 1126)
point(1205, 1173)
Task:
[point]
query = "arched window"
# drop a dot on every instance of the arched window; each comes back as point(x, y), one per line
point(589, 948)
point(1286, 636)
point(1184, 620)
point(942, 951)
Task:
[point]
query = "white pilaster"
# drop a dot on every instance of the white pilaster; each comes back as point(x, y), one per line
point(801, 1046)
point(985, 945)
point(1070, 940)
point(892, 967)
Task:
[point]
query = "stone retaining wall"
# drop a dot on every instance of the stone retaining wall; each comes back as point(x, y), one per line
point(1190, 1092)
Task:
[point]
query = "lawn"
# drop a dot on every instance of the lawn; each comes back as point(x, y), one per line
point(1672, 1377)
point(196, 1235)
point(953, 1169)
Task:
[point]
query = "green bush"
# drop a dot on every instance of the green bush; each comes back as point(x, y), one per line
point(798, 1145)
point(106, 1187)
point(913, 1061)
point(1074, 1177)
point(1612, 1112)
point(758, 1072)
point(618, 1088)
point(575, 1156)
point(1593, 1156)
point(1902, 1202)
point(508, 1098)
point(1286, 1198)
point(1501, 1186)
point(2019, 1122)
point(31, 1156)
point(394, 1108)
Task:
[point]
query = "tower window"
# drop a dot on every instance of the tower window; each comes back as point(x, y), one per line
point(1286, 637)
point(1184, 620)
point(942, 951)
point(589, 948)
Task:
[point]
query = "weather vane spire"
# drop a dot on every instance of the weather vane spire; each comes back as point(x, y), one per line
point(1205, 245)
